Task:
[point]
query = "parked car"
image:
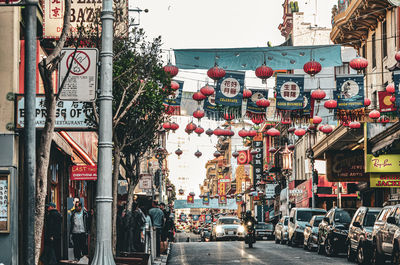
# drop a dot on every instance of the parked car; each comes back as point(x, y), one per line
point(359, 239)
point(386, 235)
point(281, 234)
point(228, 227)
point(205, 234)
point(333, 230)
point(311, 232)
point(264, 230)
point(298, 219)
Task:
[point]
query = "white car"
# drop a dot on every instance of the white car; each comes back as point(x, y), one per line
point(228, 227)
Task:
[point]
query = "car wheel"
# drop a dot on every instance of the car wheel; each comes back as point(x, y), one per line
point(277, 241)
point(320, 248)
point(293, 241)
point(396, 256)
point(361, 255)
point(283, 242)
point(377, 258)
point(309, 245)
point(350, 253)
point(329, 250)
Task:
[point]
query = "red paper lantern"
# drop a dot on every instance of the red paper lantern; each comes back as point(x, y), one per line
point(286, 121)
point(318, 94)
point(198, 114)
point(374, 114)
point(218, 131)
point(235, 154)
point(174, 126)
point(257, 119)
point(243, 133)
point(199, 130)
point(251, 133)
point(330, 104)
point(390, 88)
point(216, 73)
point(217, 154)
point(174, 85)
point(167, 126)
point(300, 132)
point(312, 67)
point(169, 110)
point(210, 132)
point(170, 69)
point(367, 102)
point(181, 191)
point(264, 72)
point(327, 129)
point(198, 154)
point(247, 93)
point(355, 125)
point(291, 147)
point(198, 96)
point(263, 103)
point(359, 63)
point(397, 56)
point(178, 152)
point(317, 120)
point(273, 132)
point(312, 127)
point(229, 117)
point(291, 129)
point(272, 150)
point(191, 193)
point(207, 90)
point(393, 99)
point(191, 127)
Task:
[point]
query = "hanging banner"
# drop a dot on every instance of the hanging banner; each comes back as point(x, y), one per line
point(385, 105)
point(212, 111)
point(238, 199)
point(208, 219)
point(222, 186)
point(307, 105)
point(258, 160)
point(252, 109)
point(173, 102)
point(206, 199)
point(190, 199)
point(202, 218)
point(350, 91)
point(195, 218)
point(229, 92)
point(396, 80)
point(244, 157)
point(290, 89)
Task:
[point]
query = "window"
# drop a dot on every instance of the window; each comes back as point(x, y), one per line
point(305, 216)
point(343, 217)
point(384, 39)
point(364, 51)
point(373, 51)
point(370, 218)
point(342, 70)
point(317, 221)
point(229, 221)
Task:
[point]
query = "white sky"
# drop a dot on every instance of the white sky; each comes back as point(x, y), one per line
point(215, 24)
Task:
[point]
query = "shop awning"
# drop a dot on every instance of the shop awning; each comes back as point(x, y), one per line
point(335, 195)
point(386, 141)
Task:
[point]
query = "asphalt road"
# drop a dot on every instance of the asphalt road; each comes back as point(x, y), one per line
point(236, 252)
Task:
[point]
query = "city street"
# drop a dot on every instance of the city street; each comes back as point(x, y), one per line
point(236, 252)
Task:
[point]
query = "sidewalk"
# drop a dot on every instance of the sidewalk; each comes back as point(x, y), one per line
point(162, 260)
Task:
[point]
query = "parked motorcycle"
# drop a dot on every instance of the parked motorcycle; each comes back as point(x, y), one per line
point(250, 237)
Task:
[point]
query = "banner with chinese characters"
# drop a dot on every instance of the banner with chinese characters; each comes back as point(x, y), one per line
point(222, 187)
point(350, 91)
point(196, 218)
point(385, 105)
point(258, 160)
point(208, 219)
point(229, 92)
point(173, 102)
point(252, 109)
point(206, 199)
point(290, 89)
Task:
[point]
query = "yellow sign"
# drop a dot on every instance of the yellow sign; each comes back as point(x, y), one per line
point(385, 181)
point(383, 163)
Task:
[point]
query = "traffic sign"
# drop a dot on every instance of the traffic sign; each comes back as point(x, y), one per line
point(81, 84)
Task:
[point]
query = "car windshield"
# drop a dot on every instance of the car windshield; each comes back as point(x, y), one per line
point(343, 217)
point(370, 218)
point(264, 226)
point(229, 221)
point(305, 216)
point(317, 221)
point(286, 221)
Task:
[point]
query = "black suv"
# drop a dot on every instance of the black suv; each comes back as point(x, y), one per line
point(386, 235)
point(359, 239)
point(333, 230)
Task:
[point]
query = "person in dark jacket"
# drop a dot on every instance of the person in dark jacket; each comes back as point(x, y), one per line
point(52, 235)
point(79, 230)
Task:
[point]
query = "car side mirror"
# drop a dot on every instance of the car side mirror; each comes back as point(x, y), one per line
point(356, 224)
point(391, 220)
point(291, 219)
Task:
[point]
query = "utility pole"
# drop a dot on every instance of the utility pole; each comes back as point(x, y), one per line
point(103, 254)
point(30, 132)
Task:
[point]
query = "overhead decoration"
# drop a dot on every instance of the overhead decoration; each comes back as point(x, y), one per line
point(272, 150)
point(291, 129)
point(243, 133)
point(181, 191)
point(218, 131)
point(229, 117)
point(213, 112)
point(247, 93)
point(198, 114)
point(217, 154)
point(210, 132)
point(397, 56)
point(386, 102)
point(367, 102)
point(252, 133)
point(300, 132)
point(174, 126)
point(173, 102)
point(390, 88)
point(355, 125)
point(396, 80)
point(312, 68)
point(178, 152)
point(216, 73)
point(199, 130)
point(174, 85)
point(207, 90)
point(318, 94)
point(198, 154)
point(253, 110)
point(235, 154)
point(273, 132)
point(257, 119)
point(198, 96)
point(229, 92)
point(167, 126)
point(190, 127)
point(264, 72)
point(170, 69)
point(359, 63)
point(316, 120)
point(350, 98)
point(374, 114)
point(326, 129)
point(330, 104)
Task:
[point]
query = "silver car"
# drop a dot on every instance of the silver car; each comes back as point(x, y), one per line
point(311, 233)
point(228, 227)
point(281, 230)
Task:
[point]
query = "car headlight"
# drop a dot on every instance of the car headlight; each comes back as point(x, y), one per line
point(219, 229)
point(249, 223)
point(241, 229)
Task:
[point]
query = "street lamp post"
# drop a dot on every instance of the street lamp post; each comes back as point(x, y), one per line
point(103, 254)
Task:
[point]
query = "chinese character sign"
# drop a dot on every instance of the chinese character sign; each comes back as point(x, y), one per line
point(350, 91)
point(290, 89)
point(229, 92)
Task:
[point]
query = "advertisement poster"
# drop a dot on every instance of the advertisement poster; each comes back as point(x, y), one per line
point(3, 202)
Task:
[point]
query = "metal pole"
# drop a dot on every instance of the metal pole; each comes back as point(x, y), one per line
point(30, 133)
point(103, 254)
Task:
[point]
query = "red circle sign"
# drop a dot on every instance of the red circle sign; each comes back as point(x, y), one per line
point(81, 63)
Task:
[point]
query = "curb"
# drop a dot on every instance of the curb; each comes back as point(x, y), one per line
point(163, 258)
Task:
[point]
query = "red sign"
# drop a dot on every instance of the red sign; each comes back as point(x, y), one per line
point(244, 157)
point(190, 199)
point(83, 172)
point(385, 105)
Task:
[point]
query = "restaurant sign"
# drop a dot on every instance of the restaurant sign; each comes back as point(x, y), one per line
point(83, 172)
point(383, 163)
point(346, 166)
point(385, 181)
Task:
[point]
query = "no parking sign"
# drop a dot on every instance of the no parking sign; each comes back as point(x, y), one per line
point(81, 83)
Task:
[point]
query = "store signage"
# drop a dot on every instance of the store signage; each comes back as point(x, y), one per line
point(244, 157)
point(383, 163)
point(145, 182)
point(258, 160)
point(83, 172)
point(345, 166)
point(83, 13)
point(385, 181)
point(270, 191)
point(70, 115)
point(81, 84)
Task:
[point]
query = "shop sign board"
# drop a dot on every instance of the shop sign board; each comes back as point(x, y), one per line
point(383, 163)
point(258, 160)
point(270, 191)
point(81, 84)
point(70, 115)
point(145, 182)
point(385, 180)
point(83, 172)
point(346, 166)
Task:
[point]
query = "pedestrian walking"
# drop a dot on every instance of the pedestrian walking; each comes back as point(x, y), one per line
point(79, 230)
point(52, 235)
point(157, 217)
point(136, 223)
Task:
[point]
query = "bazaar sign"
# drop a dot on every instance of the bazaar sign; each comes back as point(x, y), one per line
point(384, 181)
point(383, 163)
